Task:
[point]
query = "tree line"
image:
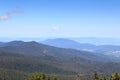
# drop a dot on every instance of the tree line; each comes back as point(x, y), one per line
point(96, 76)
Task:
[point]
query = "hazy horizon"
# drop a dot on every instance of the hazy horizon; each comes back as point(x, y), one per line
point(90, 40)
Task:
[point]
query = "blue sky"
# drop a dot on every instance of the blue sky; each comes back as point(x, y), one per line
point(60, 18)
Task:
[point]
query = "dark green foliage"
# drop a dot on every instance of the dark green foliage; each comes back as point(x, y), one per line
point(113, 76)
point(55, 78)
point(6, 74)
point(36, 76)
point(41, 76)
point(96, 76)
point(117, 77)
point(48, 78)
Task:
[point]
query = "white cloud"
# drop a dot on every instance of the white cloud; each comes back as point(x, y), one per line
point(7, 14)
point(55, 28)
point(4, 17)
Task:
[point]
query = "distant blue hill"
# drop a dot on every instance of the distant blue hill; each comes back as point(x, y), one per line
point(98, 41)
point(110, 50)
point(67, 43)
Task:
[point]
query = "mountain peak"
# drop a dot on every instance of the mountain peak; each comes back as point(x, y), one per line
point(33, 42)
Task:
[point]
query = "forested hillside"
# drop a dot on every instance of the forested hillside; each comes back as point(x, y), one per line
point(23, 58)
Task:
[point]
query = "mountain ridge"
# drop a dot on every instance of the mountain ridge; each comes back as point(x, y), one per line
point(33, 56)
point(67, 43)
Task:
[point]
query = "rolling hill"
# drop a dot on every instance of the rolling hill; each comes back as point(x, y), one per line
point(33, 56)
point(109, 50)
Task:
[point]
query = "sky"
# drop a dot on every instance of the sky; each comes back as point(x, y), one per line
point(59, 18)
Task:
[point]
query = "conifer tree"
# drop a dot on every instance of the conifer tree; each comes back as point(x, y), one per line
point(48, 77)
point(43, 77)
point(55, 78)
point(96, 76)
point(116, 76)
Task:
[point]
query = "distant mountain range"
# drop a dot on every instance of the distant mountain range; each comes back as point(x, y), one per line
point(67, 43)
point(91, 40)
point(113, 50)
point(33, 56)
point(97, 41)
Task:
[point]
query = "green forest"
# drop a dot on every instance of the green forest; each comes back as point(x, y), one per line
point(35, 61)
point(17, 75)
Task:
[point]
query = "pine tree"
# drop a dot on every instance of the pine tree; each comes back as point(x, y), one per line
point(43, 77)
point(96, 76)
point(55, 78)
point(36, 76)
point(116, 76)
point(48, 77)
